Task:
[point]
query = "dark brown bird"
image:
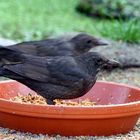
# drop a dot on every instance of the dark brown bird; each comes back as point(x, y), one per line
point(61, 46)
point(57, 77)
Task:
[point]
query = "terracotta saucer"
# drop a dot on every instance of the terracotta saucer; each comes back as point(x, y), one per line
point(117, 111)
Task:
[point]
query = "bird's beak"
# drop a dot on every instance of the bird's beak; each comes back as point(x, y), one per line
point(113, 63)
point(101, 43)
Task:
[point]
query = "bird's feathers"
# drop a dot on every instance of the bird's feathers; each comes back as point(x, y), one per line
point(59, 46)
point(56, 70)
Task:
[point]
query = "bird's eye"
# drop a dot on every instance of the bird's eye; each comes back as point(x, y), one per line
point(89, 41)
point(98, 61)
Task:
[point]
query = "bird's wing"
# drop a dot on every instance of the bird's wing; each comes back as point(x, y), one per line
point(56, 70)
point(27, 47)
point(30, 67)
point(39, 48)
point(66, 71)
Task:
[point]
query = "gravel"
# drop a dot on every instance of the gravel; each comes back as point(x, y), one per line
point(130, 77)
point(7, 134)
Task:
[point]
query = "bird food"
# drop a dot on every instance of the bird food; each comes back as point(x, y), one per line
point(36, 99)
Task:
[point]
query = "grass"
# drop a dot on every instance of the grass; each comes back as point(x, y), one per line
point(126, 31)
point(38, 19)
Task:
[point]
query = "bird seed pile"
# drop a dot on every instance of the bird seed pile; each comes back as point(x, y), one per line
point(36, 99)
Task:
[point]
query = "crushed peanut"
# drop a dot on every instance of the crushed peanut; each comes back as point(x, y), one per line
point(36, 99)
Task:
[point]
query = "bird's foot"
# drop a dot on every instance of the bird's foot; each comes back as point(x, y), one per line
point(50, 102)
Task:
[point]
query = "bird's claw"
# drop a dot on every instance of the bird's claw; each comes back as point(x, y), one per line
point(49, 102)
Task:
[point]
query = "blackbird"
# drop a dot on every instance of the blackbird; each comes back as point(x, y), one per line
point(54, 77)
point(61, 46)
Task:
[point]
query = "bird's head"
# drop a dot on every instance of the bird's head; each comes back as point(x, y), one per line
point(95, 61)
point(84, 42)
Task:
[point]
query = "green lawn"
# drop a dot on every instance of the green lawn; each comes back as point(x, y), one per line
point(37, 19)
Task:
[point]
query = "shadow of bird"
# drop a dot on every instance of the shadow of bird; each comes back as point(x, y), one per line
point(57, 77)
point(60, 46)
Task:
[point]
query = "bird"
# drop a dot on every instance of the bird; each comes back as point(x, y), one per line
point(59, 46)
point(53, 77)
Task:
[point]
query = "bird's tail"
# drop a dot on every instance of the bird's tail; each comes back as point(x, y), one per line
point(8, 56)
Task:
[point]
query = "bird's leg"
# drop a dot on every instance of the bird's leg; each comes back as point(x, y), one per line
point(49, 102)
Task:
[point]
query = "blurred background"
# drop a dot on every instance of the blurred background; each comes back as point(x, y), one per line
point(37, 19)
